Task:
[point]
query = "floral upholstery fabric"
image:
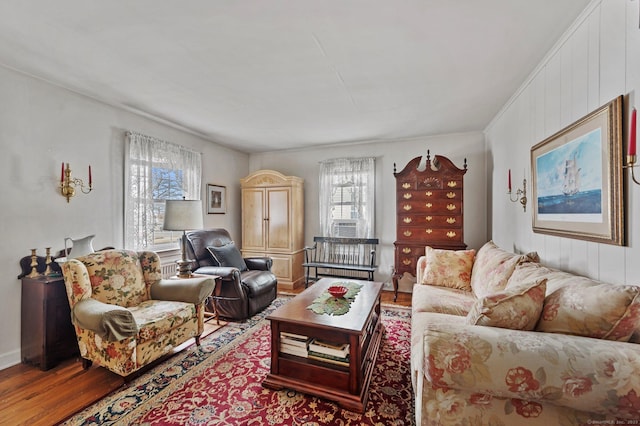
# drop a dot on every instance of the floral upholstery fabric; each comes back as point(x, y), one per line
point(448, 268)
point(592, 309)
point(466, 374)
point(582, 306)
point(116, 277)
point(517, 307)
point(157, 317)
point(517, 375)
point(125, 278)
point(442, 300)
point(492, 268)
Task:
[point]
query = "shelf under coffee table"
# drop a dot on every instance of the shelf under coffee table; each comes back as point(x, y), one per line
point(360, 327)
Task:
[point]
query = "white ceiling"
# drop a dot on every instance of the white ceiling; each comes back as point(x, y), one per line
point(262, 75)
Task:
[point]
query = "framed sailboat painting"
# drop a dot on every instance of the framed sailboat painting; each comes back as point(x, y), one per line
point(577, 179)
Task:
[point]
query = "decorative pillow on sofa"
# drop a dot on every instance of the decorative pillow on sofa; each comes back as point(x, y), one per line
point(586, 307)
point(517, 307)
point(448, 268)
point(492, 268)
point(228, 255)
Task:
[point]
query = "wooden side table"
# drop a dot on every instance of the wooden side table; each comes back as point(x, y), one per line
point(47, 335)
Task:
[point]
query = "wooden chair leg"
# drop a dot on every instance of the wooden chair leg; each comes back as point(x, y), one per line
point(86, 363)
point(198, 340)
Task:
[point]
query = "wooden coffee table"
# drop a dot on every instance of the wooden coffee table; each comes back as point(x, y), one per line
point(361, 328)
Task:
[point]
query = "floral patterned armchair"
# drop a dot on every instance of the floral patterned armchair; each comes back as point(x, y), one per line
point(125, 315)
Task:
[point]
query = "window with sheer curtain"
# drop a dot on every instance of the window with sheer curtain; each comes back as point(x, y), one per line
point(347, 197)
point(156, 171)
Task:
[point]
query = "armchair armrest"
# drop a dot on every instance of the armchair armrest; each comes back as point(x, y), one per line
point(76, 281)
point(224, 272)
point(110, 322)
point(258, 263)
point(420, 267)
point(230, 276)
point(190, 290)
point(582, 373)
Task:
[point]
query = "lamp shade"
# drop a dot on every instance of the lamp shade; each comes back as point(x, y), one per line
point(180, 215)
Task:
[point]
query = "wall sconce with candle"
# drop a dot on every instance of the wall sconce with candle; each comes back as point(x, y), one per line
point(631, 153)
point(68, 184)
point(521, 194)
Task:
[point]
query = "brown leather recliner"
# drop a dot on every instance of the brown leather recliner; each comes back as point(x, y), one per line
point(248, 285)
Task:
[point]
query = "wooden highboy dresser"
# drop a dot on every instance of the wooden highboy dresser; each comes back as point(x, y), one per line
point(429, 211)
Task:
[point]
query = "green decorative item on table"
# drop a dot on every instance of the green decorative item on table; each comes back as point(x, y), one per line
point(328, 304)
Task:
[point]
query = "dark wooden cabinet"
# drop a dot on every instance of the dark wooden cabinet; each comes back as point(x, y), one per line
point(429, 211)
point(47, 335)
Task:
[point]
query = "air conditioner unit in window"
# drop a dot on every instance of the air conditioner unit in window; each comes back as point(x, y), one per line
point(344, 228)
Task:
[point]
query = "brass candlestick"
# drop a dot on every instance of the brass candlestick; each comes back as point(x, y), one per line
point(48, 270)
point(34, 265)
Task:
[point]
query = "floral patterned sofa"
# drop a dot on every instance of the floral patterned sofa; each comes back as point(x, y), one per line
point(499, 339)
point(125, 316)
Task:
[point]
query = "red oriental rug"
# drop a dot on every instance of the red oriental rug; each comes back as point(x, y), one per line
point(221, 384)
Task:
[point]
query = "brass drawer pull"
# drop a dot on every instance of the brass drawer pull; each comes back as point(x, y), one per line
point(407, 233)
point(428, 193)
point(451, 220)
point(407, 195)
point(407, 220)
point(428, 205)
point(407, 207)
point(451, 234)
point(406, 262)
point(452, 184)
point(406, 250)
point(406, 185)
point(451, 206)
point(428, 231)
point(451, 195)
point(429, 218)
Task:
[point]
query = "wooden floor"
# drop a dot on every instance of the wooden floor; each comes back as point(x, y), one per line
point(29, 396)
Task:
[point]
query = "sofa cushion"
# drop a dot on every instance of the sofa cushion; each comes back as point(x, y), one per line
point(448, 268)
point(160, 317)
point(228, 255)
point(442, 300)
point(517, 307)
point(585, 307)
point(530, 271)
point(492, 268)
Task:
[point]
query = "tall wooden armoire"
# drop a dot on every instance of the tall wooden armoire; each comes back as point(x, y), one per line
point(273, 223)
point(429, 211)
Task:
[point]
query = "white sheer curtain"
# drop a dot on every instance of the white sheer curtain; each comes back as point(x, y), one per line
point(143, 155)
point(358, 176)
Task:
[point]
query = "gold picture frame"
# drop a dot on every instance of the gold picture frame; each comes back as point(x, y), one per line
point(216, 199)
point(577, 179)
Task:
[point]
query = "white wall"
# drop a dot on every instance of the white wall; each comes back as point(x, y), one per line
point(305, 164)
point(40, 127)
point(596, 61)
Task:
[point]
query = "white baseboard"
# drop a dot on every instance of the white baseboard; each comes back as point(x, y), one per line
point(9, 359)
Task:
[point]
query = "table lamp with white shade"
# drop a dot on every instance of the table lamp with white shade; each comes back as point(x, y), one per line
point(183, 215)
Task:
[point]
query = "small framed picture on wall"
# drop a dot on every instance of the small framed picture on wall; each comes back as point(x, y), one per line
point(216, 199)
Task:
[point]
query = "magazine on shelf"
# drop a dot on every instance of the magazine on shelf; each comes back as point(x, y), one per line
point(293, 350)
point(344, 361)
point(294, 340)
point(340, 350)
point(293, 336)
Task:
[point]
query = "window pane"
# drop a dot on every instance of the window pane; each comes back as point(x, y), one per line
point(166, 185)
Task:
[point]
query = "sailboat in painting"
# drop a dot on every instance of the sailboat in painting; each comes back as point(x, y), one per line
point(571, 183)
